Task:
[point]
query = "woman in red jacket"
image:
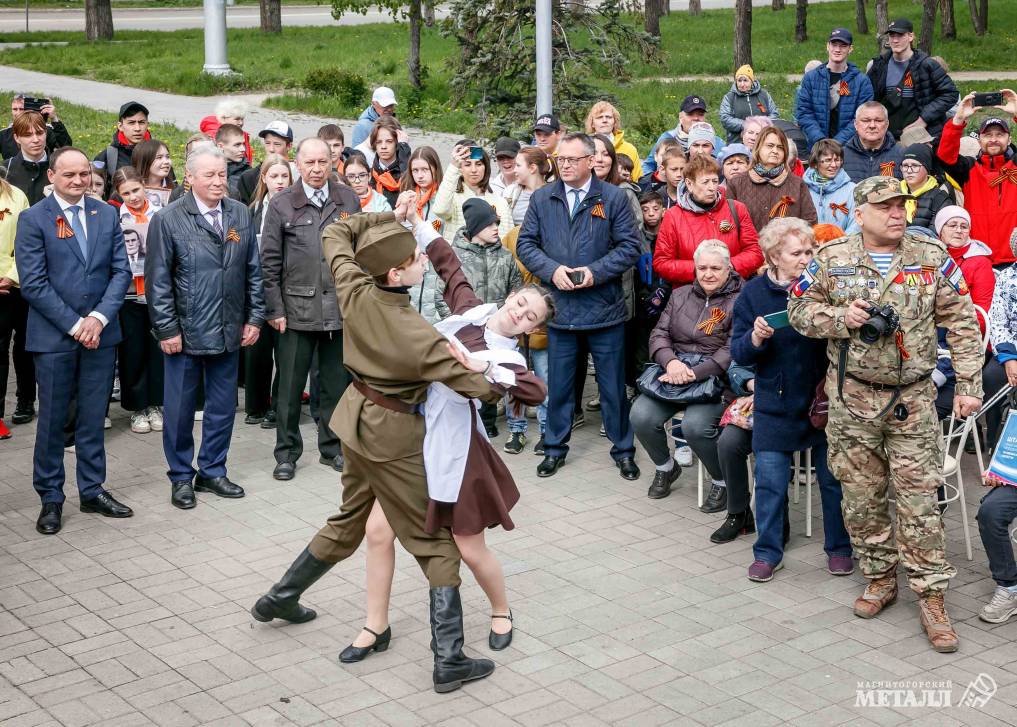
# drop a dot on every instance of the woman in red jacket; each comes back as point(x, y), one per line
point(953, 225)
point(703, 213)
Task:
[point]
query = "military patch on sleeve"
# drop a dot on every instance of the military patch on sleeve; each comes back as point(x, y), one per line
point(844, 271)
point(952, 274)
point(806, 280)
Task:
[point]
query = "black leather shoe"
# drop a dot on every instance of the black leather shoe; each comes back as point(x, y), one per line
point(220, 486)
point(451, 666)
point(741, 523)
point(497, 641)
point(254, 419)
point(352, 654)
point(285, 470)
point(662, 481)
point(283, 600)
point(23, 413)
point(50, 517)
point(628, 468)
point(182, 495)
point(716, 501)
point(269, 421)
point(335, 463)
point(107, 506)
point(550, 465)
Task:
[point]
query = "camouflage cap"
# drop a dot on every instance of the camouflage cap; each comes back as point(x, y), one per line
point(879, 189)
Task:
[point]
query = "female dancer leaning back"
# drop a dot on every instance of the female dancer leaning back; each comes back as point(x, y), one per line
point(470, 488)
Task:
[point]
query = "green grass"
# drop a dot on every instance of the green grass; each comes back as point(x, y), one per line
point(93, 130)
point(701, 45)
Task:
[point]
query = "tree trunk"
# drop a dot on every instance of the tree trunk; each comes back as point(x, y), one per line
point(882, 23)
point(801, 20)
point(271, 16)
point(695, 7)
point(98, 20)
point(948, 20)
point(413, 60)
point(651, 11)
point(777, 4)
point(928, 25)
point(976, 19)
point(743, 33)
point(861, 22)
point(984, 13)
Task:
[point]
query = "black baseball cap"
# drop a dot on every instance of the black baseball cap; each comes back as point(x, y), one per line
point(994, 121)
point(130, 108)
point(693, 103)
point(901, 25)
point(841, 35)
point(548, 123)
point(506, 147)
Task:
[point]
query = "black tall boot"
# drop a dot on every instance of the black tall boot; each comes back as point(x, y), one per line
point(451, 666)
point(282, 601)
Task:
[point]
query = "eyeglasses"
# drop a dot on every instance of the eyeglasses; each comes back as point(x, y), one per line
point(572, 161)
point(957, 225)
point(358, 177)
point(911, 168)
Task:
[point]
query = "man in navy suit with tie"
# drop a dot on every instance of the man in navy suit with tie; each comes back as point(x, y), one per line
point(74, 274)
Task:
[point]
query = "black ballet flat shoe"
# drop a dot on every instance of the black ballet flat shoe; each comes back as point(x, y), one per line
point(352, 654)
point(497, 641)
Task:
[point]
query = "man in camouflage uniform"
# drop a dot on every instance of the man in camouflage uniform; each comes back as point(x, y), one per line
point(883, 425)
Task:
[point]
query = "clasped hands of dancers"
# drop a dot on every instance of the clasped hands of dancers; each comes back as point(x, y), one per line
point(418, 466)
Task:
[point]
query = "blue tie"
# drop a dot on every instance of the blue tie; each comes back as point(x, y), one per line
point(79, 230)
point(575, 205)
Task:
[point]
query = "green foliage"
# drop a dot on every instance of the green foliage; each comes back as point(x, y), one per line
point(349, 88)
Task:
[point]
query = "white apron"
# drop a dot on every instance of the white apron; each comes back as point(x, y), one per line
point(447, 414)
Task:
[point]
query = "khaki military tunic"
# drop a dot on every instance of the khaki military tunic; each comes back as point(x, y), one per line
point(927, 290)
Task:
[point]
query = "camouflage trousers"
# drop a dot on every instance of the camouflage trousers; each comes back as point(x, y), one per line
point(868, 456)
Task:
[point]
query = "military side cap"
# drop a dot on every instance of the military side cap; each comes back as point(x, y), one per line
point(385, 246)
point(879, 189)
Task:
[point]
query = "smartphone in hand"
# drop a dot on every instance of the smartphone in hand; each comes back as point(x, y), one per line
point(990, 98)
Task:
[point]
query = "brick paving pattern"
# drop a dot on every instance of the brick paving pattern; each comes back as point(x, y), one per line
point(626, 614)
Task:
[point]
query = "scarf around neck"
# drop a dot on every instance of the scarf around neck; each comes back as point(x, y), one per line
point(688, 203)
point(768, 174)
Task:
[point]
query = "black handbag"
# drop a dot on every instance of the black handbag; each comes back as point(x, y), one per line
point(708, 391)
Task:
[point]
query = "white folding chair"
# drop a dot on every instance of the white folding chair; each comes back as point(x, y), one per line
point(810, 475)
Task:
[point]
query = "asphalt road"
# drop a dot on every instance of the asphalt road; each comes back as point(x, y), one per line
point(243, 16)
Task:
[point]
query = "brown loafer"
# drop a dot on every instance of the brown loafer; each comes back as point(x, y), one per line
point(939, 630)
point(879, 593)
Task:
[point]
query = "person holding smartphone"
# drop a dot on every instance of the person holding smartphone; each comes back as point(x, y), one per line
point(789, 367)
point(468, 175)
point(56, 133)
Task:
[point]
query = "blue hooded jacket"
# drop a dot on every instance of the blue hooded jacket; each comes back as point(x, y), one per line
point(831, 198)
point(812, 103)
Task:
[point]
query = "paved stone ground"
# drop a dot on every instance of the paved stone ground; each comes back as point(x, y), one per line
point(625, 612)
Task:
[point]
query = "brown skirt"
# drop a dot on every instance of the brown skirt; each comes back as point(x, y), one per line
point(485, 498)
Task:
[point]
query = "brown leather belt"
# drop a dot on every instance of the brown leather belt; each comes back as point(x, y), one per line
point(386, 402)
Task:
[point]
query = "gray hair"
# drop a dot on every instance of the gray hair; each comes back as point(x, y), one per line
point(712, 247)
point(311, 140)
point(871, 106)
point(777, 231)
point(585, 139)
point(231, 107)
point(204, 149)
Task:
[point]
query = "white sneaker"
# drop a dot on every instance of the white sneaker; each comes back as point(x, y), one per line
point(140, 423)
point(1002, 606)
point(199, 415)
point(683, 456)
point(115, 394)
point(107, 423)
point(154, 418)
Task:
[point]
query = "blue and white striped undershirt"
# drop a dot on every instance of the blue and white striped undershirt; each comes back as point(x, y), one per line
point(882, 261)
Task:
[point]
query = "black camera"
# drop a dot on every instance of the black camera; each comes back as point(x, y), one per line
point(883, 321)
point(35, 104)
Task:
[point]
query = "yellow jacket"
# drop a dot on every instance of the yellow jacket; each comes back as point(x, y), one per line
point(12, 204)
point(626, 147)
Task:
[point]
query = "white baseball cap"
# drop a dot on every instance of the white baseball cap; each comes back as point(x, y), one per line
point(278, 128)
point(384, 96)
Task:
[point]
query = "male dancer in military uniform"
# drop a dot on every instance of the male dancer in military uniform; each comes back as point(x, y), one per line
point(393, 355)
point(883, 423)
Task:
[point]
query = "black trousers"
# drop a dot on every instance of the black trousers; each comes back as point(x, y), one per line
point(261, 389)
point(139, 359)
point(734, 445)
point(294, 354)
point(13, 324)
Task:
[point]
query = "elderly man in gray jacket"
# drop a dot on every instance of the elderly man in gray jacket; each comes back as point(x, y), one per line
point(203, 285)
point(301, 302)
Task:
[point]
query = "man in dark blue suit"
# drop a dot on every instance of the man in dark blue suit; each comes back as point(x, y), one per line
point(74, 275)
point(203, 285)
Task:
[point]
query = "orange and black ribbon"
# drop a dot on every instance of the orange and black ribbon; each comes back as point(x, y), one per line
point(909, 82)
point(886, 169)
point(844, 90)
point(598, 211)
point(232, 235)
point(707, 326)
point(64, 230)
point(762, 109)
point(4, 212)
point(344, 215)
point(834, 207)
point(899, 337)
point(780, 209)
point(1007, 174)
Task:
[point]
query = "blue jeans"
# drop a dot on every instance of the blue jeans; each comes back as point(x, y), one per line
point(773, 472)
point(538, 359)
point(995, 514)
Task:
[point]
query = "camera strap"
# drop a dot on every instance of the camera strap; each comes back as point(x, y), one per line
point(842, 375)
